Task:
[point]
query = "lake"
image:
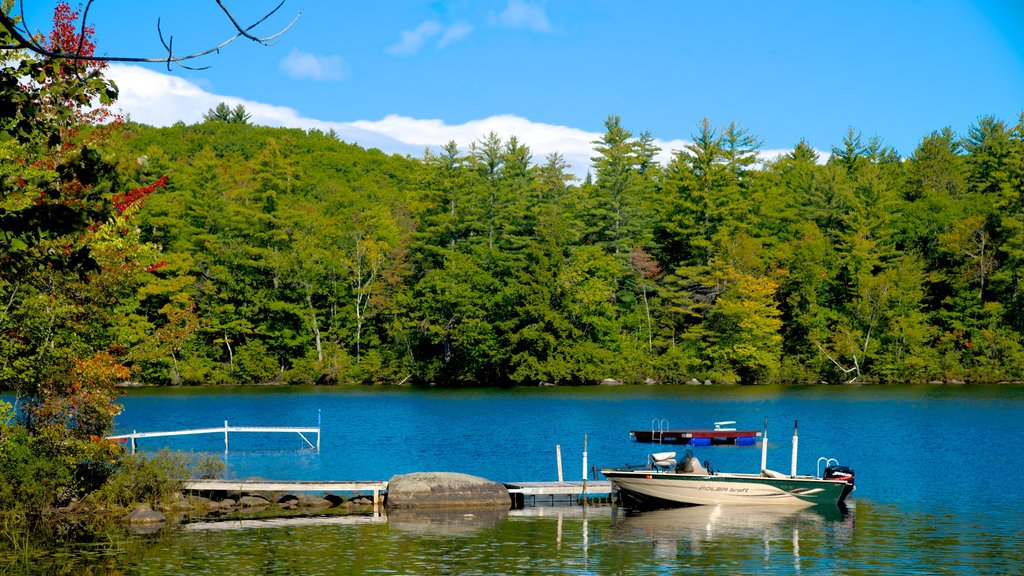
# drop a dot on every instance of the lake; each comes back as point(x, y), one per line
point(937, 488)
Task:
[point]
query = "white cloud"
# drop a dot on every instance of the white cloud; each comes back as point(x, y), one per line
point(572, 143)
point(412, 40)
point(521, 15)
point(454, 33)
point(298, 64)
point(160, 99)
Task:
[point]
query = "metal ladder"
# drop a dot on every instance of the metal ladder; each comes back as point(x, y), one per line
point(662, 425)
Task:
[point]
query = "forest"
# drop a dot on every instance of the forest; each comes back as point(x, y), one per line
point(228, 253)
point(286, 256)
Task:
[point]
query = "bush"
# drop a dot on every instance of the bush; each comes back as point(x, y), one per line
point(154, 479)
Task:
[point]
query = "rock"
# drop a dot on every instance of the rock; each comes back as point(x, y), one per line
point(143, 514)
point(707, 382)
point(650, 381)
point(307, 501)
point(693, 382)
point(253, 501)
point(611, 382)
point(200, 503)
point(181, 503)
point(445, 490)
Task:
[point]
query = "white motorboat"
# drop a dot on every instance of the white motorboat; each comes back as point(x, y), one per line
point(659, 485)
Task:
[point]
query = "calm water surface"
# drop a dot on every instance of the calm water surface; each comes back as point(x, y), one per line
point(938, 488)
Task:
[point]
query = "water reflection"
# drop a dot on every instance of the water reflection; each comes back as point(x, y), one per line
point(445, 522)
point(873, 538)
point(293, 522)
point(779, 536)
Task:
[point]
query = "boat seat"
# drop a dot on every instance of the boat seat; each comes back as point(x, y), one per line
point(772, 474)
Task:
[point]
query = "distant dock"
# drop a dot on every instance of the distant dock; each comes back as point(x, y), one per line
point(695, 437)
point(660, 433)
point(225, 430)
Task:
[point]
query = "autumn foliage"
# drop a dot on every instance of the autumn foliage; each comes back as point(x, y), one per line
point(69, 248)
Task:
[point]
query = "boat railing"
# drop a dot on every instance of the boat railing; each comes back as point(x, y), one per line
point(828, 462)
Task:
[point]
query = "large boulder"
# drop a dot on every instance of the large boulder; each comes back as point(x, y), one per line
point(445, 490)
point(143, 514)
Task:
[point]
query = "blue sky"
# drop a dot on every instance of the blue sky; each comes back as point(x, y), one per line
point(403, 75)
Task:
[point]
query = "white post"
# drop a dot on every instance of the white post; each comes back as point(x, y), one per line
point(225, 436)
point(584, 457)
point(764, 445)
point(584, 469)
point(558, 458)
point(796, 441)
point(318, 430)
point(133, 441)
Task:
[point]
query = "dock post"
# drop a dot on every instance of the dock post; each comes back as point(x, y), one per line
point(558, 458)
point(796, 441)
point(133, 441)
point(764, 445)
point(584, 470)
point(225, 436)
point(318, 435)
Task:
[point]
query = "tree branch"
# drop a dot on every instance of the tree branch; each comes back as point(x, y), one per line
point(21, 38)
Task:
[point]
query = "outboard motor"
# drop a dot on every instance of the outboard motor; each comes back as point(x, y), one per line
point(839, 473)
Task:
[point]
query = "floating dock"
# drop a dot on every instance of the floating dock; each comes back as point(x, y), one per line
point(660, 433)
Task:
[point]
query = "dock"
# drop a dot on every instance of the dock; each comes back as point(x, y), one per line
point(660, 433)
point(557, 491)
point(696, 437)
point(518, 491)
point(225, 430)
point(376, 487)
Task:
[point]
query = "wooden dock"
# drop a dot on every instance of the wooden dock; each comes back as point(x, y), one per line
point(518, 491)
point(376, 487)
point(557, 491)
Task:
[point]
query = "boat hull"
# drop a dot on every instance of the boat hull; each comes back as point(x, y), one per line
point(651, 489)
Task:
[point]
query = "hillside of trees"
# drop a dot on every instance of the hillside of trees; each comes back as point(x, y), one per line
point(289, 256)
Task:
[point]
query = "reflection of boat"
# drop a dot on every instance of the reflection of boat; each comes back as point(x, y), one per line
point(660, 433)
point(709, 521)
point(690, 483)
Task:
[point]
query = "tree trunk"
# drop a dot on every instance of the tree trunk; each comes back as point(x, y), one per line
point(231, 353)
